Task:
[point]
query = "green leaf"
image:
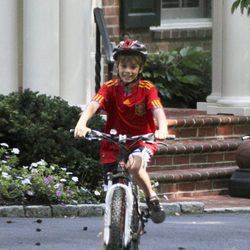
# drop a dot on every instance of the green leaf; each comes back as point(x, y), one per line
point(235, 5)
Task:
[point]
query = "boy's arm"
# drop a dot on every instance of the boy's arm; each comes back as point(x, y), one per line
point(81, 127)
point(161, 120)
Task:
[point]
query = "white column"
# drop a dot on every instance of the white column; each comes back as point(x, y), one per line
point(8, 46)
point(216, 51)
point(77, 61)
point(235, 92)
point(41, 46)
point(75, 49)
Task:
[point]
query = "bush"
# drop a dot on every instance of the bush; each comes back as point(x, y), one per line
point(182, 77)
point(38, 125)
point(39, 183)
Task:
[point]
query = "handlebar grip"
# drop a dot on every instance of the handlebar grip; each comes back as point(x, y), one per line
point(246, 137)
point(171, 137)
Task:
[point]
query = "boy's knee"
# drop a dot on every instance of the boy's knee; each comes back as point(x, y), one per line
point(134, 164)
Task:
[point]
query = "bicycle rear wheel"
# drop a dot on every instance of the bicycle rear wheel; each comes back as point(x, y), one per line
point(117, 220)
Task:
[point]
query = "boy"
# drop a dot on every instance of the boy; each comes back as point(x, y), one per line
point(132, 107)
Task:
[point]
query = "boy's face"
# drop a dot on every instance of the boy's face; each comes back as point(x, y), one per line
point(128, 70)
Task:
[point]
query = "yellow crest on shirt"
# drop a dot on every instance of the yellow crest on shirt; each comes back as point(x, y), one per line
point(140, 109)
point(126, 102)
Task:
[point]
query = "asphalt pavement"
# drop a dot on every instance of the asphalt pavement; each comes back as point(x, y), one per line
point(216, 231)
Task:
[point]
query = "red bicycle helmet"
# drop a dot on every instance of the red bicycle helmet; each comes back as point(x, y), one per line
point(130, 47)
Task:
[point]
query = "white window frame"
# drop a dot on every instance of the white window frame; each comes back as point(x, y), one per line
point(190, 19)
point(183, 12)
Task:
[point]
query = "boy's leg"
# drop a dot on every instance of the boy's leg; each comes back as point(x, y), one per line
point(136, 167)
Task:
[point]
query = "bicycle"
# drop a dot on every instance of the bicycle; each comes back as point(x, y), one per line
point(124, 220)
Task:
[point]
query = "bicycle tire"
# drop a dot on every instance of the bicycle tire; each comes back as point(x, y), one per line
point(117, 220)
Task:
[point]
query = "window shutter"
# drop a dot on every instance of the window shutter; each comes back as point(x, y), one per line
point(140, 13)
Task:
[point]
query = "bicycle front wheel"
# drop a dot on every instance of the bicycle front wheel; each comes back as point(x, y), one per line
point(117, 220)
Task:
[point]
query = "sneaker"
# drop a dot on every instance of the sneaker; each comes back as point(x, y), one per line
point(156, 211)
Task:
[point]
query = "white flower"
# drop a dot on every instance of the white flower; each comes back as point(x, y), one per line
point(4, 145)
point(6, 176)
point(30, 193)
point(97, 193)
point(26, 181)
point(64, 169)
point(33, 164)
point(3, 161)
point(34, 171)
point(68, 173)
point(63, 180)
point(57, 185)
point(75, 179)
point(41, 162)
point(15, 151)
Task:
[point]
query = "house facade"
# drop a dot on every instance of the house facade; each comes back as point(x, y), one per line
point(49, 45)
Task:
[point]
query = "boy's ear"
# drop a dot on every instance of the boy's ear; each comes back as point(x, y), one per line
point(141, 69)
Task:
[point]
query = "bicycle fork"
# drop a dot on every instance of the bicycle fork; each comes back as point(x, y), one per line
point(128, 212)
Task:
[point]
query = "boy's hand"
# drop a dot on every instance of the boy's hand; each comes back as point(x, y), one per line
point(81, 131)
point(161, 134)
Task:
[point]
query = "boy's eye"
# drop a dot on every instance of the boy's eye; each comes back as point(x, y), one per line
point(134, 66)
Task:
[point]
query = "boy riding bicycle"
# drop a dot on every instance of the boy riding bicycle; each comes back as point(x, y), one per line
point(132, 106)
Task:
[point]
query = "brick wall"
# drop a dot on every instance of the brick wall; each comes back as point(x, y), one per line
point(111, 9)
point(155, 40)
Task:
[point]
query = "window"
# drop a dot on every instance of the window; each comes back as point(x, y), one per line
point(176, 9)
point(184, 19)
point(140, 13)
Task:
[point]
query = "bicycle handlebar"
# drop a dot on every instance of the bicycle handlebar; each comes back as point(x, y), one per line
point(95, 135)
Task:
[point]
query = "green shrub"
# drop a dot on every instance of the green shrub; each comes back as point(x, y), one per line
point(38, 125)
point(182, 77)
point(39, 183)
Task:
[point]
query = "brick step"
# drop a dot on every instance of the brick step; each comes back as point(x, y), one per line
point(190, 123)
point(193, 182)
point(185, 154)
point(202, 158)
point(180, 175)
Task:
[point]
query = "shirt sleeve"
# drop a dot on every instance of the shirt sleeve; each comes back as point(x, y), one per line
point(154, 101)
point(101, 96)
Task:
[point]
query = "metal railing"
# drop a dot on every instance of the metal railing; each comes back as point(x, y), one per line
point(101, 31)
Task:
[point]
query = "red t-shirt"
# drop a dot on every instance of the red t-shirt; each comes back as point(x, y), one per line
point(129, 114)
